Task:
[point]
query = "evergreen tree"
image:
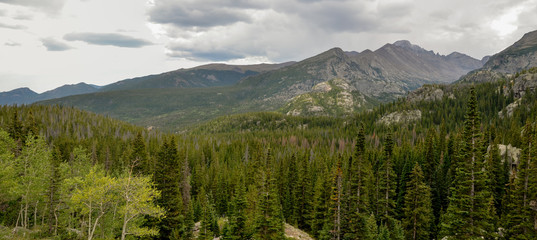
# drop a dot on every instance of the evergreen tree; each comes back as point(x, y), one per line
point(520, 210)
point(386, 186)
point(320, 206)
point(166, 179)
point(470, 213)
point(304, 195)
point(237, 223)
point(139, 157)
point(336, 204)
point(53, 198)
point(430, 163)
point(290, 203)
point(359, 192)
point(269, 219)
point(417, 211)
point(371, 228)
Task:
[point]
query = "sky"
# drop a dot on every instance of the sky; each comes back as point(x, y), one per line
point(45, 44)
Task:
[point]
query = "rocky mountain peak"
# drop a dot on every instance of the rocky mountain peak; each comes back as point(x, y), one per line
point(407, 45)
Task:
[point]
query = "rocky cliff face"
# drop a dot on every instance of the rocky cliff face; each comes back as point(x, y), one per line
point(518, 86)
point(517, 57)
point(521, 55)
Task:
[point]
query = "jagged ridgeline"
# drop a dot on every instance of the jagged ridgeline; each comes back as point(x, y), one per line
point(256, 174)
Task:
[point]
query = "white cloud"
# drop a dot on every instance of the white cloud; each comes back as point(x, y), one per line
point(48, 6)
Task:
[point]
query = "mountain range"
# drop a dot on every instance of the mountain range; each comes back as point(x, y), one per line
point(27, 96)
point(333, 83)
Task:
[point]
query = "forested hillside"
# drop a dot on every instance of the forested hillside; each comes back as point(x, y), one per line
point(446, 172)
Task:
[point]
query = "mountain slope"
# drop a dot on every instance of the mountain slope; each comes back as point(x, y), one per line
point(357, 81)
point(211, 75)
point(519, 56)
point(384, 75)
point(18, 96)
point(27, 96)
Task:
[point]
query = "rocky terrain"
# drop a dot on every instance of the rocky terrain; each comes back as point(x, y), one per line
point(330, 98)
point(517, 57)
point(430, 93)
point(400, 117)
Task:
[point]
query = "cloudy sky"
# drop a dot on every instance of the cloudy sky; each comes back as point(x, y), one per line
point(48, 43)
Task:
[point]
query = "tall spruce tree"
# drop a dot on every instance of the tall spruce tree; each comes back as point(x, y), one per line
point(237, 221)
point(359, 192)
point(167, 182)
point(386, 185)
point(269, 219)
point(336, 203)
point(418, 210)
point(521, 198)
point(470, 213)
point(139, 157)
point(304, 195)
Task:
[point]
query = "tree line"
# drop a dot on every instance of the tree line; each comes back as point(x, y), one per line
point(76, 175)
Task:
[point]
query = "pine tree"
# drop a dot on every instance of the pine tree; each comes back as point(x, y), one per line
point(290, 203)
point(207, 219)
point(359, 192)
point(430, 163)
point(269, 219)
point(139, 157)
point(418, 210)
point(320, 206)
point(386, 185)
point(53, 198)
point(336, 204)
point(304, 195)
point(371, 228)
point(237, 221)
point(521, 198)
point(470, 213)
point(166, 179)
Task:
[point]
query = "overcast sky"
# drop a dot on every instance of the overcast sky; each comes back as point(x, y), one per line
point(48, 43)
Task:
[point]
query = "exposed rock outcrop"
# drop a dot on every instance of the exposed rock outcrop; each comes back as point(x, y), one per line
point(400, 117)
point(428, 93)
point(330, 98)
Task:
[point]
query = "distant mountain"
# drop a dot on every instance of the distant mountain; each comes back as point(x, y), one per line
point(18, 96)
point(519, 56)
point(211, 75)
point(27, 96)
point(372, 77)
point(331, 83)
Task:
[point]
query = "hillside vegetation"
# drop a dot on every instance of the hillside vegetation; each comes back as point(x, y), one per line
point(70, 174)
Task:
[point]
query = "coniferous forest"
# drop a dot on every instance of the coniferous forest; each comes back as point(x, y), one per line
point(462, 171)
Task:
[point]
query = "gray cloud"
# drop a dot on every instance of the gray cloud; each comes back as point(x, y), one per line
point(108, 39)
point(12, 44)
point(49, 6)
point(54, 45)
point(183, 14)
point(282, 30)
point(14, 27)
point(204, 54)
